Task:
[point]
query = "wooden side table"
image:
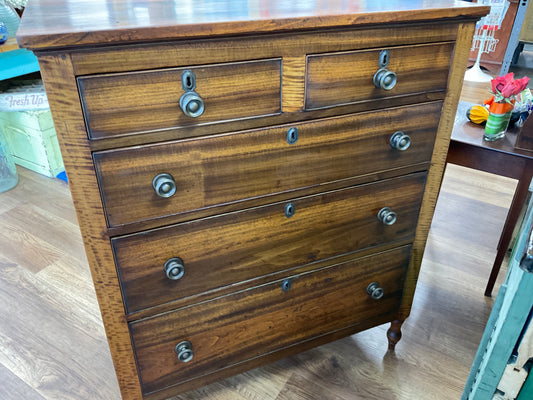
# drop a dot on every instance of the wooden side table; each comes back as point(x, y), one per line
point(468, 149)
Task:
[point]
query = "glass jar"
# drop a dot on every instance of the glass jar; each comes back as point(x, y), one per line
point(9, 17)
point(8, 171)
point(3, 33)
point(498, 120)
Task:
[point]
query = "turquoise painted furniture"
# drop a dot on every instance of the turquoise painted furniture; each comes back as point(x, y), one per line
point(508, 319)
point(13, 60)
point(30, 134)
point(17, 62)
point(527, 390)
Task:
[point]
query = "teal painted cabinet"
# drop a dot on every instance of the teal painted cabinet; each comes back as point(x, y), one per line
point(16, 63)
point(507, 322)
point(527, 390)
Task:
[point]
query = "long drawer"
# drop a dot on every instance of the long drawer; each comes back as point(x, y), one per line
point(234, 167)
point(198, 340)
point(166, 264)
point(348, 77)
point(137, 102)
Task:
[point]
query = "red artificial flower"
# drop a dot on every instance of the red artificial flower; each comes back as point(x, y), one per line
point(500, 82)
point(520, 84)
point(506, 87)
point(508, 90)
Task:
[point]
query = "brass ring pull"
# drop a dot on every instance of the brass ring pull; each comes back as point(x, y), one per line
point(384, 79)
point(184, 351)
point(191, 104)
point(400, 141)
point(375, 291)
point(174, 268)
point(387, 216)
point(164, 185)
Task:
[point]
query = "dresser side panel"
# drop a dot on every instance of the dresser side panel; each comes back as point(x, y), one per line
point(438, 161)
point(60, 83)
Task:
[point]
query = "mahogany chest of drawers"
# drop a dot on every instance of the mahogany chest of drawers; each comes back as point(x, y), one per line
point(251, 179)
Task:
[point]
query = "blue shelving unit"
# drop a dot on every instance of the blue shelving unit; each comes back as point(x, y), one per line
point(17, 62)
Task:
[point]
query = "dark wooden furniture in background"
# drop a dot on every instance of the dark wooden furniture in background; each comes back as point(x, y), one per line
point(467, 148)
point(493, 61)
point(524, 140)
point(243, 181)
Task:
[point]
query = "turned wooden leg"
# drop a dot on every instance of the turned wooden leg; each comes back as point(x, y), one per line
point(394, 334)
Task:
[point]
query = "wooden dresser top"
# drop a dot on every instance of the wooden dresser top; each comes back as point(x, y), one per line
point(52, 24)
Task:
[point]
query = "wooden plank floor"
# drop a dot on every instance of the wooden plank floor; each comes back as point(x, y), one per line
point(52, 343)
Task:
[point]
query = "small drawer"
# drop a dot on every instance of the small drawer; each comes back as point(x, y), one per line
point(137, 102)
point(186, 259)
point(348, 77)
point(213, 335)
point(211, 171)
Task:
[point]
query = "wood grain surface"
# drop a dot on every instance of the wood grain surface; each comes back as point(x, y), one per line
point(222, 169)
point(130, 103)
point(258, 321)
point(239, 247)
point(293, 81)
point(62, 23)
point(9, 45)
point(242, 48)
point(61, 88)
point(136, 110)
point(46, 292)
point(341, 78)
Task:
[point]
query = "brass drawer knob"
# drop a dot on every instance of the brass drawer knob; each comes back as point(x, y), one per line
point(192, 104)
point(375, 291)
point(184, 351)
point(400, 141)
point(164, 185)
point(174, 268)
point(384, 79)
point(387, 216)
